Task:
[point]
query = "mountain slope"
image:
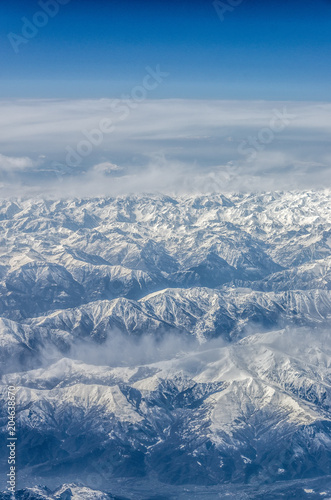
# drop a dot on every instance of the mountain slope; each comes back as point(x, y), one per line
point(168, 342)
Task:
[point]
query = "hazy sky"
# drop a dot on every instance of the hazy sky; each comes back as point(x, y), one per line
point(168, 145)
point(101, 97)
point(261, 49)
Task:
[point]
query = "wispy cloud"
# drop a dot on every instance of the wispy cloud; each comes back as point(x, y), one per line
point(12, 163)
point(164, 145)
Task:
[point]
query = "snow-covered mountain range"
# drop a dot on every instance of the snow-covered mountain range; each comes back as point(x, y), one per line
point(171, 346)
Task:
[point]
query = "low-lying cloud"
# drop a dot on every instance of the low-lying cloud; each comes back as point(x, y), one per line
point(85, 148)
point(12, 163)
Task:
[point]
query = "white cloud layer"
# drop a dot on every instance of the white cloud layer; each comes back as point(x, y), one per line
point(95, 147)
point(12, 163)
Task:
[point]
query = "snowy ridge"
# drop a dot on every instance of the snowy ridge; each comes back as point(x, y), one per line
point(176, 340)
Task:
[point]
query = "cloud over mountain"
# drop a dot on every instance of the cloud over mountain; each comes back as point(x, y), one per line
point(54, 146)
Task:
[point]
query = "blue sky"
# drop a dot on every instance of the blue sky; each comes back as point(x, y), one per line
point(261, 50)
